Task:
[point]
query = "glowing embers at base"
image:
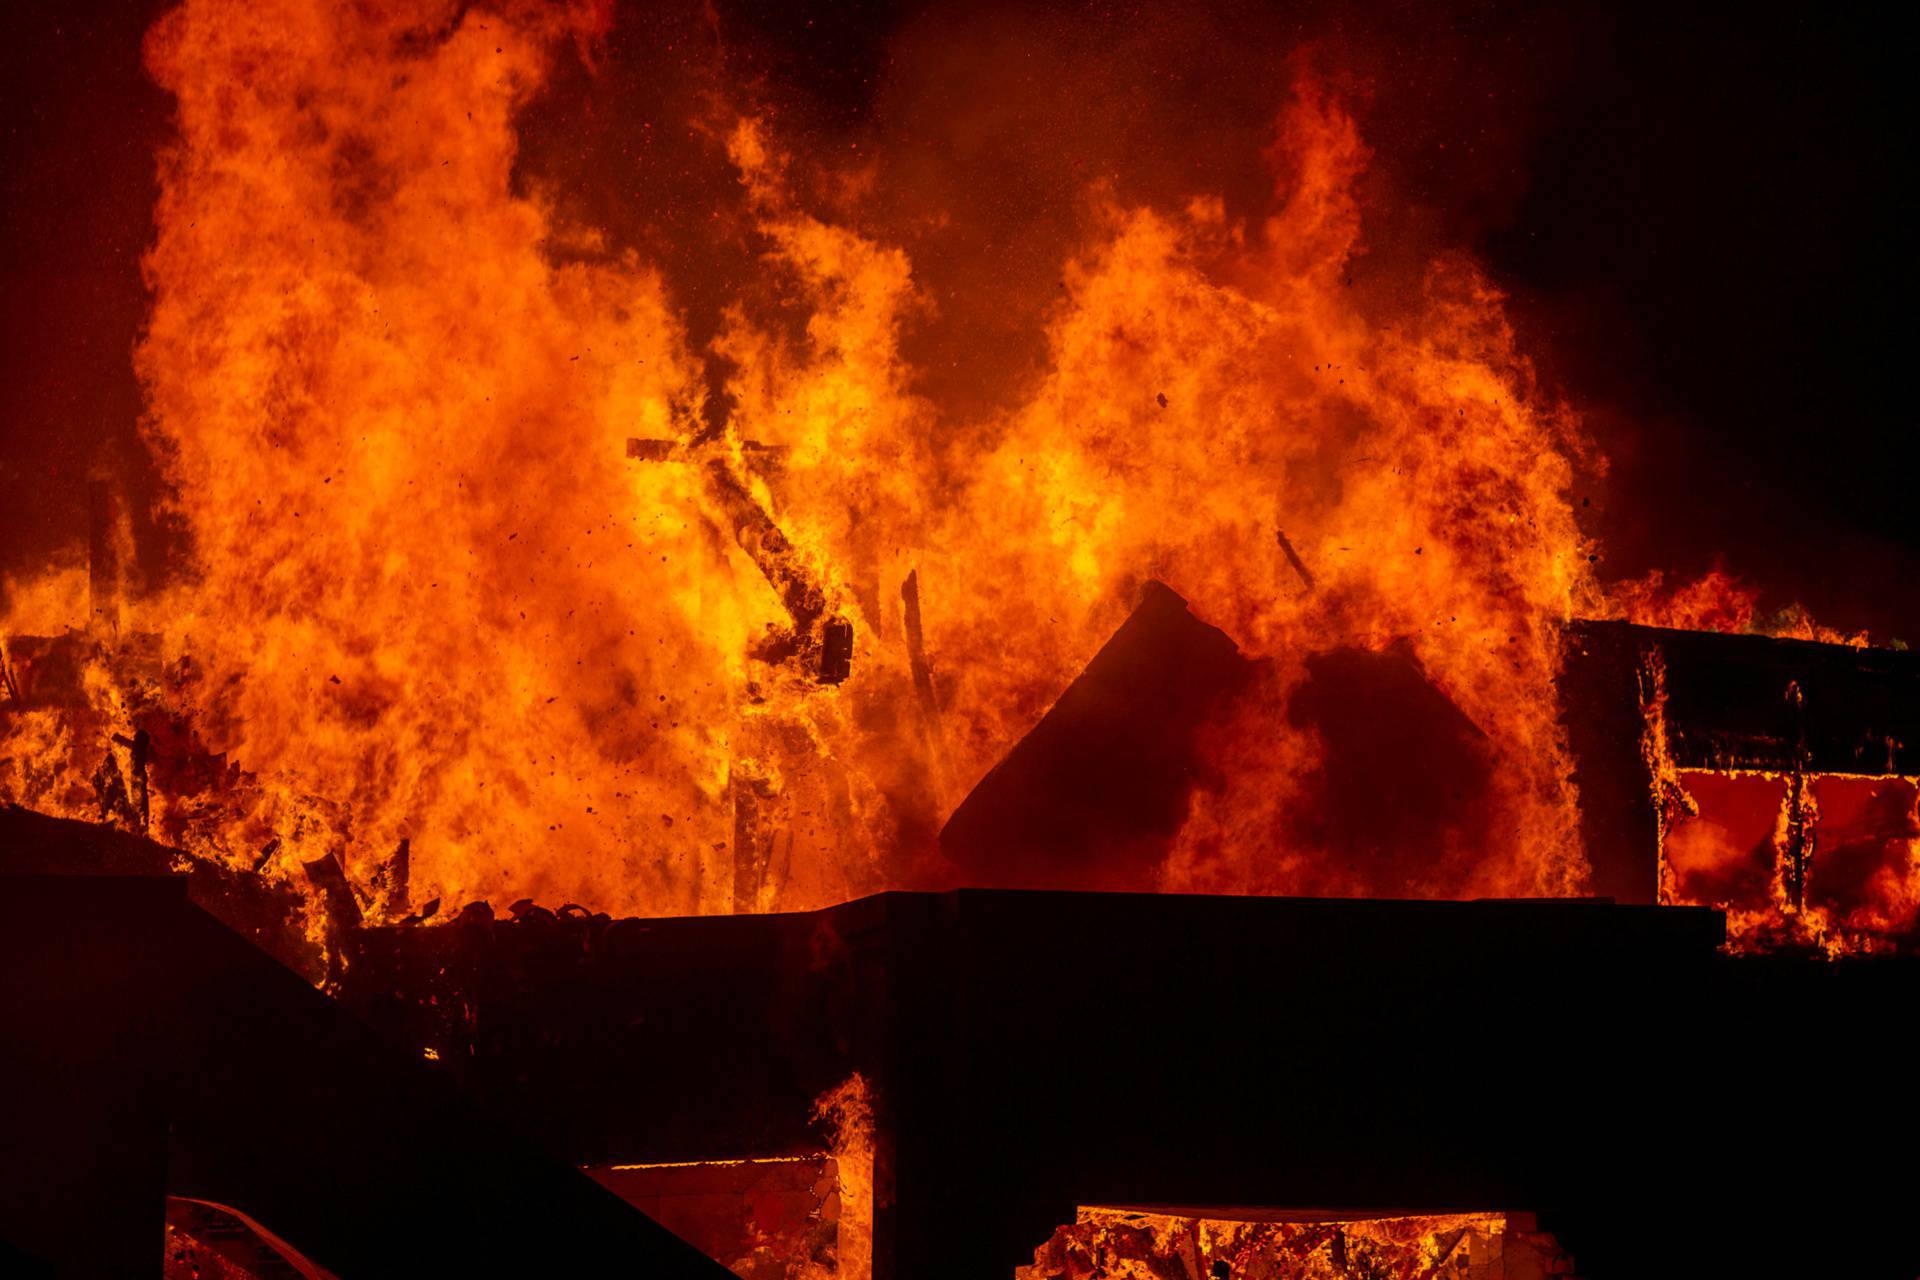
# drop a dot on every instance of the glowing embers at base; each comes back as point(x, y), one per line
point(1132, 1244)
point(1851, 844)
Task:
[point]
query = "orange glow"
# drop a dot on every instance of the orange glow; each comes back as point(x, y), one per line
point(434, 600)
point(1863, 878)
point(1295, 1246)
point(1715, 601)
point(847, 1112)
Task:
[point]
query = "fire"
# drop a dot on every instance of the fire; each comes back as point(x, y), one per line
point(1730, 848)
point(1715, 601)
point(790, 1217)
point(847, 1111)
point(433, 600)
point(1295, 1246)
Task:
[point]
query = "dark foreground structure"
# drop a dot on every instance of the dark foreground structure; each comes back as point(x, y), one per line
point(153, 1054)
point(504, 1096)
point(1663, 1108)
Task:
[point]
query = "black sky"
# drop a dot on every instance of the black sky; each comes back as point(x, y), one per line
point(1701, 219)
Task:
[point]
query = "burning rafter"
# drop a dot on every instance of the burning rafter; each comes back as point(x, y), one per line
point(819, 640)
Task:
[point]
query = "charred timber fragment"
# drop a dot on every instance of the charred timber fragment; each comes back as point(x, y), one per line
point(922, 671)
point(917, 644)
point(836, 650)
point(139, 748)
point(110, 793)
point(1293, 558)
point(817, 639)
point(766, 545)
point(1796, 851)
point(327, 875)
point(752, 842)
point(391, 881)
point(1097, 789)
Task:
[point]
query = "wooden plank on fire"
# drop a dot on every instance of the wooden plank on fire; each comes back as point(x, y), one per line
point(6, 676)
point(828, 641)
point(327, 875)
point(391, 881)
point(923, 680)
point(1293, 558)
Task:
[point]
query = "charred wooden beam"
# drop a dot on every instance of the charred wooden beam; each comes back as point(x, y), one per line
point(139, 748)
point(330, 878)
point(836, 651)
point(1726, 698)
point(391, 881)
point(1796, 851)
point(751, 840)
point(922, 671)
point(804, 599)
point(110, 793)
point(7, 681)
point(328, 875)
point(1293, 558)
point(819, 639)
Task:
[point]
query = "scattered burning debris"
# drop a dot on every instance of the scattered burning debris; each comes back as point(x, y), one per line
point(424, 600)
point(615, 779)
point(1124, 1243)
point(761, 667)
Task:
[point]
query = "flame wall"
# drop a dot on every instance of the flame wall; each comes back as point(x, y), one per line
point(389, 380)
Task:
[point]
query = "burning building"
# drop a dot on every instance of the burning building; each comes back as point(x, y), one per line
point(698, 788)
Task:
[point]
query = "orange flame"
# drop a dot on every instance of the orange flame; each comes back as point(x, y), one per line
point(432, 600)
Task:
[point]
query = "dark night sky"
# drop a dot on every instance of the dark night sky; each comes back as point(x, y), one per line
point(1697, 218)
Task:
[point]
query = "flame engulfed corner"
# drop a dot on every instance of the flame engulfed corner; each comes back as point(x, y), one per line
point(1797, 858)
point(444, 641)
point(847, 1112)
point(1827, 862)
